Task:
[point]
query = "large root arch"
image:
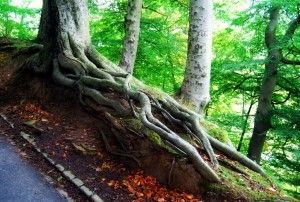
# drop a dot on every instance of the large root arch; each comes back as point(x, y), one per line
point(81, 66)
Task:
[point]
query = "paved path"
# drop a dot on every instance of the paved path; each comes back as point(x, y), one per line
point(20, 182)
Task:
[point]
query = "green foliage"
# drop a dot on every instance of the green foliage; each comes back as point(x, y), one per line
point(237, 66)
point(18, 21)
point(239, 57)
point(162, 47)
point(283, 152)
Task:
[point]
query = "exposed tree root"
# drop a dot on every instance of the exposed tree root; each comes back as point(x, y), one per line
point(94, 76)
point(121, 153)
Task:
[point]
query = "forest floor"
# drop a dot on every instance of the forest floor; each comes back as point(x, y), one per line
point(70, 136)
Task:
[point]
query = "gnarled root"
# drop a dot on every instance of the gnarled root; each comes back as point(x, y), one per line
point(97, 78)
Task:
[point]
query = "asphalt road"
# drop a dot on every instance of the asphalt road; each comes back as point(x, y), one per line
point(20, 182)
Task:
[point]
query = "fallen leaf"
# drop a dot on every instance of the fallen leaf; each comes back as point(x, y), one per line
point(59, 178)
point(149, 194)
point(30, 123)
point(111, 183)
point(64, 155)
point(160, 199)
point(190, 196)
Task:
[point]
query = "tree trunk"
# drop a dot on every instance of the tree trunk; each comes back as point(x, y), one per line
point(263, 116)
point(195, 87)
point(262, 121)
point(132, 31)
point(73, 61)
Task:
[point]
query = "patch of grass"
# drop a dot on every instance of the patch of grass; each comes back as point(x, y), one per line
point(251, 188)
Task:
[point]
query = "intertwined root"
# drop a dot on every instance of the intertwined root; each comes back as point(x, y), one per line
point(93, 74)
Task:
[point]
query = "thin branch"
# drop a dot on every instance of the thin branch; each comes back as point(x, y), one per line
point(286, 99)
point(293, 25)
point(289, 62)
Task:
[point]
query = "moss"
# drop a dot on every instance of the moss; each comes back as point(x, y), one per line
point(154, 92)
point(137, 125)
point(215, 131)
point(250, 188)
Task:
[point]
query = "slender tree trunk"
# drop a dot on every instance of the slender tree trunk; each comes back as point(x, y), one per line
point(262, 120)
point(132, 31)
point(245, 126)
point(195, 87)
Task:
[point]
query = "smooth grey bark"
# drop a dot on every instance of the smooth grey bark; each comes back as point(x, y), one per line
point(132, 31)
point(264, 113)
point(194, 90)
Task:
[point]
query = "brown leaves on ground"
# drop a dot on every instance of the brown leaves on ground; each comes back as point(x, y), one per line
point(148, 188)
point(138, 186)
point(34, 112)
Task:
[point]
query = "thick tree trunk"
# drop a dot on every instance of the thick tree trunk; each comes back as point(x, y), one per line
point(132, 31)
point(195, 87)
point(73, 61)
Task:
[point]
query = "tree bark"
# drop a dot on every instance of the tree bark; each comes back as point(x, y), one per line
point(262, 121)
point(195, 87)
point(73, 61)
point(132, 31)
point(264, 113)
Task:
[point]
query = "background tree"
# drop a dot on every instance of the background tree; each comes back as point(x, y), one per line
point(194, 90)
point(242, 64)
point(132, 31)
point(264, 113)
point(16, 20)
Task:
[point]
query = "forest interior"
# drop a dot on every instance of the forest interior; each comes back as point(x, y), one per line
point(202, 106)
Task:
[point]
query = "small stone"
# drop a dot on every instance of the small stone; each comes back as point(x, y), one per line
point(77, 182)
point(96, 198)
point(63, 193)
point(60, 167)
point(50, 160)
point(87, 192)
point(37, 149)
point(24, 135)
point(69, 199)
point(45, 155)
point(49, 179)
point(69, 175)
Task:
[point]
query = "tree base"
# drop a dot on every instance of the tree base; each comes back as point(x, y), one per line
point(136, 145)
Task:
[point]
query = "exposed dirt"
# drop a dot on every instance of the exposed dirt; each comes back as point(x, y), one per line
point(71, 136)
